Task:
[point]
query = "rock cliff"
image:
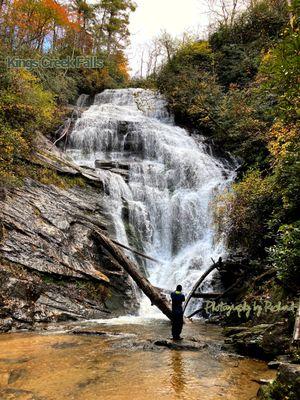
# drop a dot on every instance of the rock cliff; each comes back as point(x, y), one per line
point(52, 267)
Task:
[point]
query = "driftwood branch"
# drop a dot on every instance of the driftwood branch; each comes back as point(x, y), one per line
point(64, 132)
point(198, 283)
point(156, 297)
point(66, 129)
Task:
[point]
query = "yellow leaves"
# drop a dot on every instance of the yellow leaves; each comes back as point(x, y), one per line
point(25, 76)
point(13, 146)
point(267, 57)
point(196, 48)
point(25, 107)
point(282, 139)
point(251, 187)
point(201, 47)
point(122, 64)
point(30, 95)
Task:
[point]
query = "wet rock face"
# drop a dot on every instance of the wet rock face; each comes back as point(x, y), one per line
point(51, 266)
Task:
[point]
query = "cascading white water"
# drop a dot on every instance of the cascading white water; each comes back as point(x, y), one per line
point(171, 182)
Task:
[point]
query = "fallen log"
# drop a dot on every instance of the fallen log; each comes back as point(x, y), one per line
point(220, 296)
point(134, 251)
point(206, 295)
point(198, 283)
point(164, 291)
point(154, 294)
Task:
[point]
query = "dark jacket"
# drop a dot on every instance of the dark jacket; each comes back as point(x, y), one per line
point(177, 299)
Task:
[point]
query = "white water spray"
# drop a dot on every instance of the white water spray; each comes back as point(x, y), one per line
point(170, 185)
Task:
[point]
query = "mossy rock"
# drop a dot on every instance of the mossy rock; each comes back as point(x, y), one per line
point(264, 341)
point(286, 386)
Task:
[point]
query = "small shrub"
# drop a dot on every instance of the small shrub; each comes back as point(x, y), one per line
point(285, 255)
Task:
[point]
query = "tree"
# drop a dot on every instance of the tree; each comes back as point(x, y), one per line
point(85, 16)
point(112, 24)
point(160, 51)
point(225, 11)
point(238, 49)
point(27, 23)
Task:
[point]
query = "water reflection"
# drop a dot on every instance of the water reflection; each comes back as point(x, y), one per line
point(117, 367)
point(178, 380)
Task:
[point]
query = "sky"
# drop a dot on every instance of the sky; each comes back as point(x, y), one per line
point(153, 16)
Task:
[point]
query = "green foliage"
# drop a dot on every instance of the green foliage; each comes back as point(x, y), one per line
point(242, 126)
point(24, 103)
point(281, 69)
point(64, 86)
point(235, 120)
point(189, 85)
point(244, 212)
point(149, 82)
point(114, 23)
point(284, 146)
point(238, 47)
point(25, 109)
point(285, 255)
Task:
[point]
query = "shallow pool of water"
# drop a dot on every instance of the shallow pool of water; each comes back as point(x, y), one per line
point(121, 363)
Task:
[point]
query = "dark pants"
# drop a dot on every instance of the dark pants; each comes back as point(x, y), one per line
point(177, 323)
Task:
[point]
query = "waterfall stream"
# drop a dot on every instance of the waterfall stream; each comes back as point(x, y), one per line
point(159, 183)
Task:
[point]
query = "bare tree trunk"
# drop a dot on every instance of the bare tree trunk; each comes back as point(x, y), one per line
point(142, 64)
point(54, 38)
point(289, 3)
point(233, 12)
point(1, 5)
point(154, 294)
point(296, 335)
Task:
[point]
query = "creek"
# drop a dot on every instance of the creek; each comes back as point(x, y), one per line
point(123, 364)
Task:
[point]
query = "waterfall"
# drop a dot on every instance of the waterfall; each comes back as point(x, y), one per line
point(159, 182)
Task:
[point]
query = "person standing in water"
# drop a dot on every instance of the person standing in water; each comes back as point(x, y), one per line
point(177, 312)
